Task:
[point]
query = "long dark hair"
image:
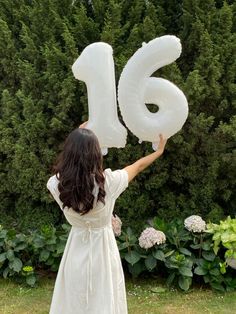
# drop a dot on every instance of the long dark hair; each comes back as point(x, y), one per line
point(78, 168)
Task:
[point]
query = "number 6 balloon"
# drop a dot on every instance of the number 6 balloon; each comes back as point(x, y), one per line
point(136, 88)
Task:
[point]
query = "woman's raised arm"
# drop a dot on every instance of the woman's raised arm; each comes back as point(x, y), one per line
point(144, 162)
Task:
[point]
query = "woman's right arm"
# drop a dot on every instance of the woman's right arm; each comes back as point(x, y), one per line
point(144, 162)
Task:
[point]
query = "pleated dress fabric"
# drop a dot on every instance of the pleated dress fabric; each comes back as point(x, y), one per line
point(90, 279)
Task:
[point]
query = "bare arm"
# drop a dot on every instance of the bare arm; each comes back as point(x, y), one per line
point(144, 162)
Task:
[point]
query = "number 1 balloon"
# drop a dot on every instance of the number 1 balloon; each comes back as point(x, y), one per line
point(95, 66)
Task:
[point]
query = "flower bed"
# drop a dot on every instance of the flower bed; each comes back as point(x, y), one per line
point(182, 251)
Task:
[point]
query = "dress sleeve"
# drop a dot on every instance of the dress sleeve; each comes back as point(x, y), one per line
point(117, 181)
point(52, 186)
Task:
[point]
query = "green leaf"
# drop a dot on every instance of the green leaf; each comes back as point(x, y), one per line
point(217, 286)
point(200, 271)
point(203, 263)
point(129, 232)
point(136, 269)
point(16, 264)
point(185, 251)
point(123, 245)
point(11, 233)
point(159, 224)
point(169, 253)
point(51, 241)
point(31, 280)
point(209, 256)
point(185, 271)
point(60, 248)
point(223, 268)
point(5, 272)
point(189, 263)
point(132, 239)
point(206, 246)
point(21, 238)
point(170, 279)
point(2, 257)
point(66, 227)
point(206, 278)
point(3, 234)
point(195, 246)
point(54, 267)
point(132, 257)
point(150, 262)
point(44, 255)
point(214, 272)
point(216, 247)
point(50, 261)
point(38, 242)
point(158, 290)
point(184, 283)
point(159, 255)
point(10, 255)
point(20, 247)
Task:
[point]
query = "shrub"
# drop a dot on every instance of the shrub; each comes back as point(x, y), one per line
point(183, 258)
point(186, 256)
point(21, 255)
point(224, 234)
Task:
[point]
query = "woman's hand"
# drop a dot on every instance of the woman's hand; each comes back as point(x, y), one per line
point(83, 125)
point(162, 144)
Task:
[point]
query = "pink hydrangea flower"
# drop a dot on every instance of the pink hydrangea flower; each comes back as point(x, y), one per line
point(150, 236)
point(116, 225)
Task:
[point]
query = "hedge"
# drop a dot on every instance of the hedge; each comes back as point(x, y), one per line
point(41, 102)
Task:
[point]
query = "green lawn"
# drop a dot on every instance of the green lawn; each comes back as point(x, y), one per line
point(18, 299)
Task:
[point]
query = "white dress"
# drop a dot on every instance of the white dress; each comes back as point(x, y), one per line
point(90, 278)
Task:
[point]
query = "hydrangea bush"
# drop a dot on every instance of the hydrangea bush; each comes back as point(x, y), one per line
point(183, 248)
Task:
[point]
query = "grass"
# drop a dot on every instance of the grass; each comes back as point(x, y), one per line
point(144, 297)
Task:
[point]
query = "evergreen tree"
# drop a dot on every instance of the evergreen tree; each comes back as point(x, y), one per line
point(41, 103)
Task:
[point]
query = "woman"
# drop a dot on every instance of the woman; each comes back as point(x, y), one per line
point(90, 278)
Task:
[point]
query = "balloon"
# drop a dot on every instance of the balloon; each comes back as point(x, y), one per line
point(95, 66)
point(136, 88)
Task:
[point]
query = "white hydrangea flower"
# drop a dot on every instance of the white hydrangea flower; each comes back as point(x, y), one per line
point(231, 262)
point(195, 223)
point(150, 236)
point(116, 225)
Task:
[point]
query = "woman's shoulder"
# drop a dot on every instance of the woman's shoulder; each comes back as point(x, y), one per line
point(52, 182)
point(117, 180)
point(114, 173)
point(110, 175)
